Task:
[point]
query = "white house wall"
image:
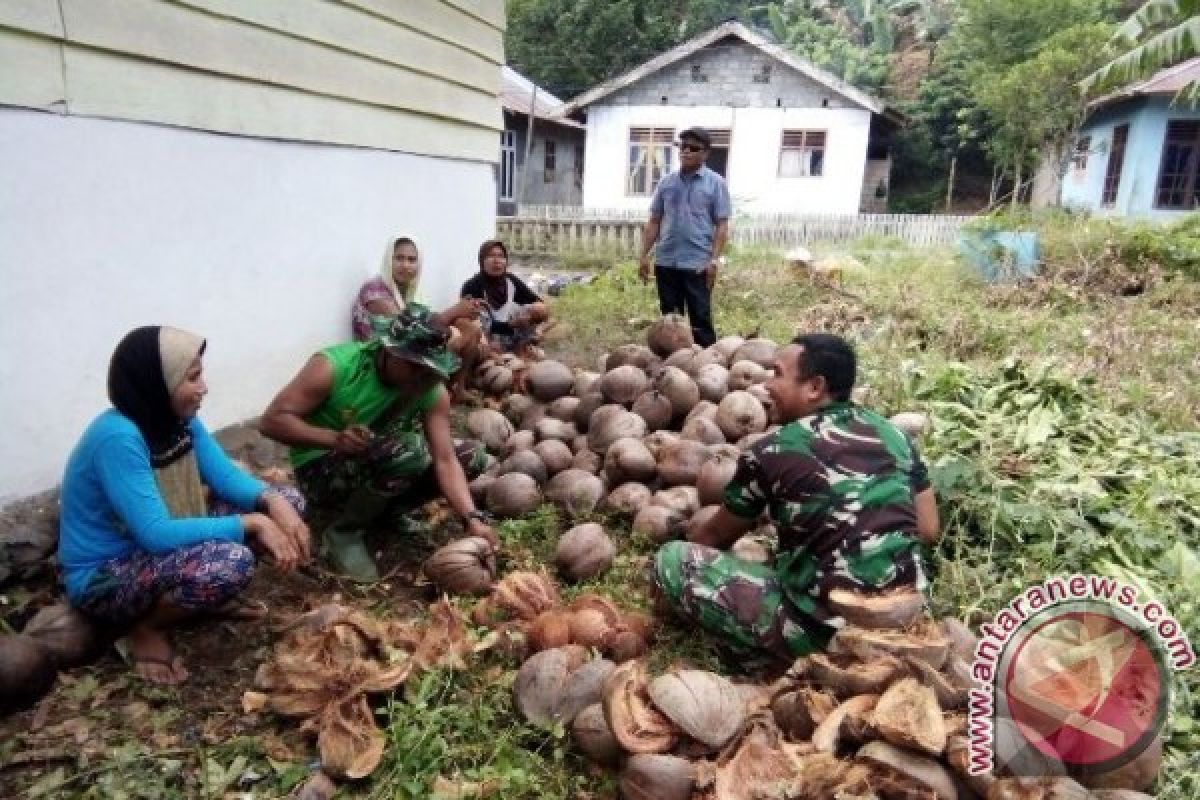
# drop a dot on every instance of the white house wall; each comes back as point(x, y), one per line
point(258, 245)
point(755, 139)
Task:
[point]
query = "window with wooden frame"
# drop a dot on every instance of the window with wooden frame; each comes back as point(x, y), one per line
point(549, 164)
point(1179, 175)
point(1116, 163)
point(1079, 156)
point(651, 157)
point(802, 154)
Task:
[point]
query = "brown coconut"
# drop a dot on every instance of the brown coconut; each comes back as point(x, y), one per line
point(952, 693)
point(650, 776)
point(679, 463)
point(479, 486)
point(464, 566)
point(683, 358)
point(712, 381)
point(494, 379)
point(588, 461)
point(896, 608)
point(744, 374)
point(67, 636)
point(525, 594)
point(541, 680)
point(26, 671)
point(679, 388)
point(551, 428)
point(625, 645)
point(656, 441)
point(526, 462)
point(513, 495)
point(628, 499)
point(575, 491)
point(702, 517)
point(584, 552)
point(520, 440)
point(908, 715)
point(635, 723)
point(585, 382)
point(922, 777)
point(590, 627)
point(727, 346)
point(714, 475)
point(515, 406)
point(590, 732)
point(636, 355)
point(623, 384)
point(759, 351)
point(532, 416)
point(659, 523)
point(800, 711)
point(684, 500)
point(654, 408)
point(588, 403)
point(609, 426)
point(702, 409)
point(703, 430)
point(563, 408)
point(740, 414)
point(549, 380)
point(629, 460)
point(555, 455)
point(702, 704)
point(669, 333)
point(490, 427)
point(549, 629)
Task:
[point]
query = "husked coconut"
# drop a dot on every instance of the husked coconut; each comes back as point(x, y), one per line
point(923, 776)
point(584, 552)
point(575, 491)
point(636, 355)
point(669, 333)
point(67, 636)
point(462, 567)
point(628, 498)
point(525, 462)
point(494, 379)
point(541, 680)
point(625, 645)
point(744, 374)
point(623, 384)
point(549, 380)
point(655, 408)
point(740, 414)
point(897, 608)
point(588, 461)
point(702, 517)
point(656, 441)
point(679, 388)
point(683, 358)
point(702, 409)
point(532, 416)
point(479, 487)
point(760, 351)
point(579, 443)
point(588, 403)
point(515, 406)
point(551, 428)
point(491, 428)
point(703, 430)
point(635, 723)
point(679, 463)
point(913, 423)
point(652, 776)
point(629, 460)
point(585, 382)
point(26, 671)
point(520, 440)
point(660, 523)
point(590, 732)
point(759, 392)
point(750, 439)
point(682, 499)
point(608, 427)
point(513, 494)
point(563, 408)
point(712, 381)
point(714, 475)
point(548, 630)
point(727, 346)
point(702, 704)
point(908, 715)
point(555, 454)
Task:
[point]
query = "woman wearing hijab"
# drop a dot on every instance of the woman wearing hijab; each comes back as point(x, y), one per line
point(387, 294)
point(511, 310)
point(137, 545)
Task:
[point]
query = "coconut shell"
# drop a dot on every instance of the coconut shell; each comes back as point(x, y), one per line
point(826, 737)
point(584, 688)
point(67, 636)
point(590, 732)
point(549, 629)
point(462, 567)
point(551, 428)
point(744, 374)
point(908, 715)
point(549, 380)
point(524, 595)
point(556, 455)
point(683, 358)
point(659, 523)
point(633, 720)
point(702, 704)
point(669, 334)
point(526, 462)
point(712, 381)
point(703, 430)
point(627, 499)
point(657, 777)
point(588, 404)
point(584, 552)
point(926, 644)
point(575, 491)
point(26, 672)
point(623, 384)
point(629, 460)
point(683, 500)
point(513, 495)
point(564, 408)
point(655, 408)
point(740, 414)
point(541, 680)
point(714, 475)
point(921, 773)
point(800, 711)
point(679, 389)
point(846, 676)
point(759, 351)
point(609, 426)
point(636, 355)
point(679, 463)
point(894, 609)
point(490, 427)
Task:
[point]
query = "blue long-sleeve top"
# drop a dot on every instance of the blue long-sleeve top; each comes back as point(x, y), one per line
point(111, 504)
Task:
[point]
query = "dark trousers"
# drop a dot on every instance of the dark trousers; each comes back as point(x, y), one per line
point(687, 289)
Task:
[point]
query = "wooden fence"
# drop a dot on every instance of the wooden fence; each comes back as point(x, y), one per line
point(542, 231)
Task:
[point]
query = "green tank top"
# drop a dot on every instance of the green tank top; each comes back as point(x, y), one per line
point(359, 397)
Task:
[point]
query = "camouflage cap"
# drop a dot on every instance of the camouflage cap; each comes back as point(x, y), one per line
point(414, 336)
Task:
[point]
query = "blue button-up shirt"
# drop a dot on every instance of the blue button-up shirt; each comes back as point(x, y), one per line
point(690, 207)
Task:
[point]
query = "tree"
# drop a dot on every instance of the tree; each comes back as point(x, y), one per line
point(1159, 34)
point(832, 41)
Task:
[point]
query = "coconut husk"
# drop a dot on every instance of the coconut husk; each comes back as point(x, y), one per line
point(1119, 794)
point(542, 679)
point(590, 732)
point(909, 775)
point(633, 720)
point(958, 756)
point(908, 715)
point(846, 677)
point(798, 712)
point(649, 776)
point(925, 643)
point(827, 736)
point(949, 696)
point(702, 704)
point(1138, 775)
point(895, 609)
point(350, 743)
point(1059, 788)
point(548, 630)
point(524, 595)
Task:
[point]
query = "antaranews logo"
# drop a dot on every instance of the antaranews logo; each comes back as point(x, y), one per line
point(1073, 677)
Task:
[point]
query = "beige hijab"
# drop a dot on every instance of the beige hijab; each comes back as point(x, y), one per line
point(179, 482)
point(385, 271)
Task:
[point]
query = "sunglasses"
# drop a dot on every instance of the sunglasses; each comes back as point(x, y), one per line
point(692, 148)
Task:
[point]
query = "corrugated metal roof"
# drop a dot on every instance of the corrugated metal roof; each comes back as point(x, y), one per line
point(516, 95)
point(1169, 81)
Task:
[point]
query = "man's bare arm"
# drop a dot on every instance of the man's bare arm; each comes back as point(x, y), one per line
point(284, 421)
point(928, 524)
point(720, 530)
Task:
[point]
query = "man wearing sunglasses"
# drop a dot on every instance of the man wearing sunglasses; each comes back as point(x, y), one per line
point(691, 211)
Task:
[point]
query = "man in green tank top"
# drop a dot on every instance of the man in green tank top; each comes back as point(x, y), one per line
point(369, 422)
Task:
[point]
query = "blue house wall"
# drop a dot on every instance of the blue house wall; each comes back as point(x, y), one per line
point(1147, 119)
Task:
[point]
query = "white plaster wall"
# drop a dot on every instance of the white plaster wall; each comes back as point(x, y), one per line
point(257, 245)
point(753, 160)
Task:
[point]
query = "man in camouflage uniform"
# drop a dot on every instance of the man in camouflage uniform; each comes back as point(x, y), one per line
point(369, 423)
point(848, 494)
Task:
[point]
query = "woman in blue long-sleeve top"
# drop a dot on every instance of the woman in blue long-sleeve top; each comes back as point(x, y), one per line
point(137, 544)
